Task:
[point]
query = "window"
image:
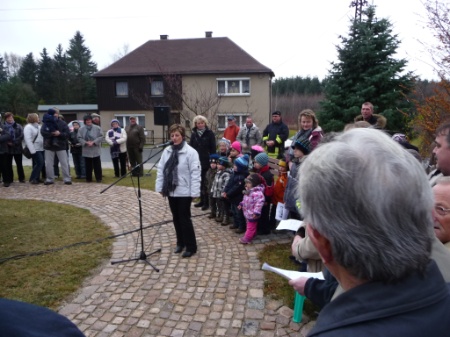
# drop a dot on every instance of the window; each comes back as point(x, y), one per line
point(157, 88)
point(233, 86)
point(124, 120)
point(240, 120)
point(121, 89)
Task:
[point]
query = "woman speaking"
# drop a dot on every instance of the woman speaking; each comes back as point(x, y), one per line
point(178, 179)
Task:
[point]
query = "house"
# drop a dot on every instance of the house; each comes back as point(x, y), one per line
point(170, 81)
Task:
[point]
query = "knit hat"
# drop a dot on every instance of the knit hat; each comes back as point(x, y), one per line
point(51, 111)
point(255, 150)
point(282, 163)
point(254, 179)
point(303, 145)
point(116, 121)
point(237, 146)
point(213, 158)
point(262, 158)
point(225, 141)
point(278, 113)
point(223, 161)
point(242, 163)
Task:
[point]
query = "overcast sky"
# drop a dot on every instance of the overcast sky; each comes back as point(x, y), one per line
point(292, 37)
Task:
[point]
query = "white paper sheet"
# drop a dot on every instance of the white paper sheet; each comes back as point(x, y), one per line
point(291, 274)
point(290, 224)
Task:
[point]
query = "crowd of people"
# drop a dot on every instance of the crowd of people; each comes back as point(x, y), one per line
point(375, 224)
point(49, 144)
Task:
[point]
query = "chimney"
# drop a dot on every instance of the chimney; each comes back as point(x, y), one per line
point(208, 34)
point(163, 37)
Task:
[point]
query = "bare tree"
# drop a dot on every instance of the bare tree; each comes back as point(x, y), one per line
point(13, 63)
point(121, 52)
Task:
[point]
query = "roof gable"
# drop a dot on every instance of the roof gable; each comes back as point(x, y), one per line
point(185, 56)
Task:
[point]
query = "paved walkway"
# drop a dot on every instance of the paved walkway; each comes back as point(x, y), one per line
point(217, 292)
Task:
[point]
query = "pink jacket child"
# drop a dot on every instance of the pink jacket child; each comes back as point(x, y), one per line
point(252, 205)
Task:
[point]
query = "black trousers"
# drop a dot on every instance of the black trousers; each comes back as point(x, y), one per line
point(181, 213)
point(123, 164)
point(96, 164)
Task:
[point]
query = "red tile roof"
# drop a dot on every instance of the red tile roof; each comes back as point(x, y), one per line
point(217, 55)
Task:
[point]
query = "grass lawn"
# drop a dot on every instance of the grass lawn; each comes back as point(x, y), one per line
point(48, 279)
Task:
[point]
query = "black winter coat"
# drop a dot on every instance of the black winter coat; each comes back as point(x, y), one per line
point(235, 186)
point(205, 145)
point(272, 131)
point(60, 142)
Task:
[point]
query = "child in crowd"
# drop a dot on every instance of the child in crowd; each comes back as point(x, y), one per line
point(220, 181)
point(254, 151)
point(233, 192)
point(49, 123)
point(210, 174)
point(301, 149)
point(235, 151)
point(261, 166)
point(278, 193)
point(224, 147)
point(252, 205)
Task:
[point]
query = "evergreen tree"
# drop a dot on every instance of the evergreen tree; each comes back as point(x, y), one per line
point(60, 77)
point(44, 78)
point(366, 71)
point(17, 97)
point(28, 70)
point(3, 73)
point(81, 69)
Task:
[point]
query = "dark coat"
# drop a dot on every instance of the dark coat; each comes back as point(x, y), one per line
point(415, 306)
point(58, 143)
point(205, 145)
point(75, 145)
point(235, 186)
point(7, 144)
point(272, 131)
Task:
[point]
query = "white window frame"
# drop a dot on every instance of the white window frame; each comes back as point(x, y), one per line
point(228, 82)
point(124, 119)
point(157, 88)
point(121, 89)
point(240, 120)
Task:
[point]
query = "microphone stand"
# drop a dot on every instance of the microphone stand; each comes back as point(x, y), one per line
point(142, 255)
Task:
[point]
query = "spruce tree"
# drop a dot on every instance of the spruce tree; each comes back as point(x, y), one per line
point(60, 77)
point(28, 71)
point(44, 86)
point(80, 71)
point(366, 70)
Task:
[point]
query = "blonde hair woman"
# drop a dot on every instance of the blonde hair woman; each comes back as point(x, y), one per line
point(34, 143)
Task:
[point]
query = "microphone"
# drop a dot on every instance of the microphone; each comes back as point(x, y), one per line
point(164, 144)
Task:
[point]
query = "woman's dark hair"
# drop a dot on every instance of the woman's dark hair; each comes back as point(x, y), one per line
point(177, 127)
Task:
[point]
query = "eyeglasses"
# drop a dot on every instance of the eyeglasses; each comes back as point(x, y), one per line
point(441, 210)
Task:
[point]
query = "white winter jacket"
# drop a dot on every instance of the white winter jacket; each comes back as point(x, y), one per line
point(30, 132)
point(189, 171)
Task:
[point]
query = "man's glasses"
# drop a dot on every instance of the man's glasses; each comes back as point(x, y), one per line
point(441, 210)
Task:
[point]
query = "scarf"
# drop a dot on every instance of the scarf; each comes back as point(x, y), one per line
point(304, 134)
point(115, 148)
point(200, 132)
point(170, 172)
point(88, 135)
point(10, 129)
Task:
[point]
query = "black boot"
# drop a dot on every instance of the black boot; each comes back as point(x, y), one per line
point(205, 203)
point(201, 202)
